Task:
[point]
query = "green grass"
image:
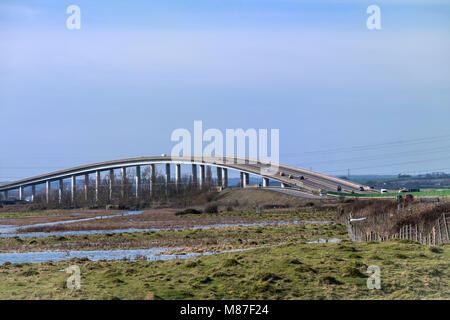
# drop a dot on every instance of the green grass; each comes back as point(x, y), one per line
point(432, 193)
point(293, 271)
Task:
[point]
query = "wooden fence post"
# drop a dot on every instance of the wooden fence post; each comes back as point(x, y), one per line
point(439, 231)
point(446, 227)
point(434, 236)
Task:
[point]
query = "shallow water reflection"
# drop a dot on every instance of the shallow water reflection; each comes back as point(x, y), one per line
point(153, 254)
point(131, 230)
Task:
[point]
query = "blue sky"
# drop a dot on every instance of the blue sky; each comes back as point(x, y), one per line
point(137, 70)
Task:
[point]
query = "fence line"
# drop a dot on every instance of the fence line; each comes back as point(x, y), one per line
point(439, 233)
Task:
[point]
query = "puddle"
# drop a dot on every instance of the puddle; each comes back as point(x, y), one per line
point(153, 254)
point(131, 230)
point(325, 240)
point(12, 229)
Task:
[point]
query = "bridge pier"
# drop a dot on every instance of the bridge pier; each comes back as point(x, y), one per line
point(33, 192)
point(97, 184)
point(224, 177)
point(194, 175)
point(284, 185)
point(177, 174)
point(86, 186)
point(111, 183)
point(219, 176)
point(245, 177)
point(152, 178)
point(167, 176)
point(47, 191)
point(5, 194)
point(60, 191)
point(202, 175)
point(138, 180)
point(265, 182)
point(21, 193)
point(73, 188)
point(123, 181)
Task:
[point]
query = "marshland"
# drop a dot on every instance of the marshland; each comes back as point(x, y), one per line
point(237, 244)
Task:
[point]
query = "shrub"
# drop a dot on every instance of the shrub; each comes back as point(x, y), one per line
point(30, 273)
point(211, 208)
point(188, 211)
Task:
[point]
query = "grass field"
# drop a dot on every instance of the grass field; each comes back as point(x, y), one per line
point(292, 271)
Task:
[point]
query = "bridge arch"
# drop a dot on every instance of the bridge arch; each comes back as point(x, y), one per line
point(288, 176)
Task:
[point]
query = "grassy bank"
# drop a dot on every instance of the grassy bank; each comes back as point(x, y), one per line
point(431, 193)
point(295, 271)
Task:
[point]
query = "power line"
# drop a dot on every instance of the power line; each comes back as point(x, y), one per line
point(383, 156)
point(375, 146)
point(385, 165)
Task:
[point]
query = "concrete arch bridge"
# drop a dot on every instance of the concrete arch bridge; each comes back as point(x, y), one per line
point(288, 176)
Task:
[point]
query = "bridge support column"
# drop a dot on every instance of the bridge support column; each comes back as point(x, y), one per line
point(124, 179)
point(224, 177)
point(111, 183)
point(33, 193)
point(284, 185)
point(219, 176)
point(47, 191)
point(21, 193)
point(137, 181)
point(60, 191)
point(167, 177)
point(86, 186)
point(152, 179)
point(97, 184)
point(177, 174)
point(244, 179)
point(73, 188)
point(202, 175)
point(194, 175)
point(5, 194)
point(265, 182)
